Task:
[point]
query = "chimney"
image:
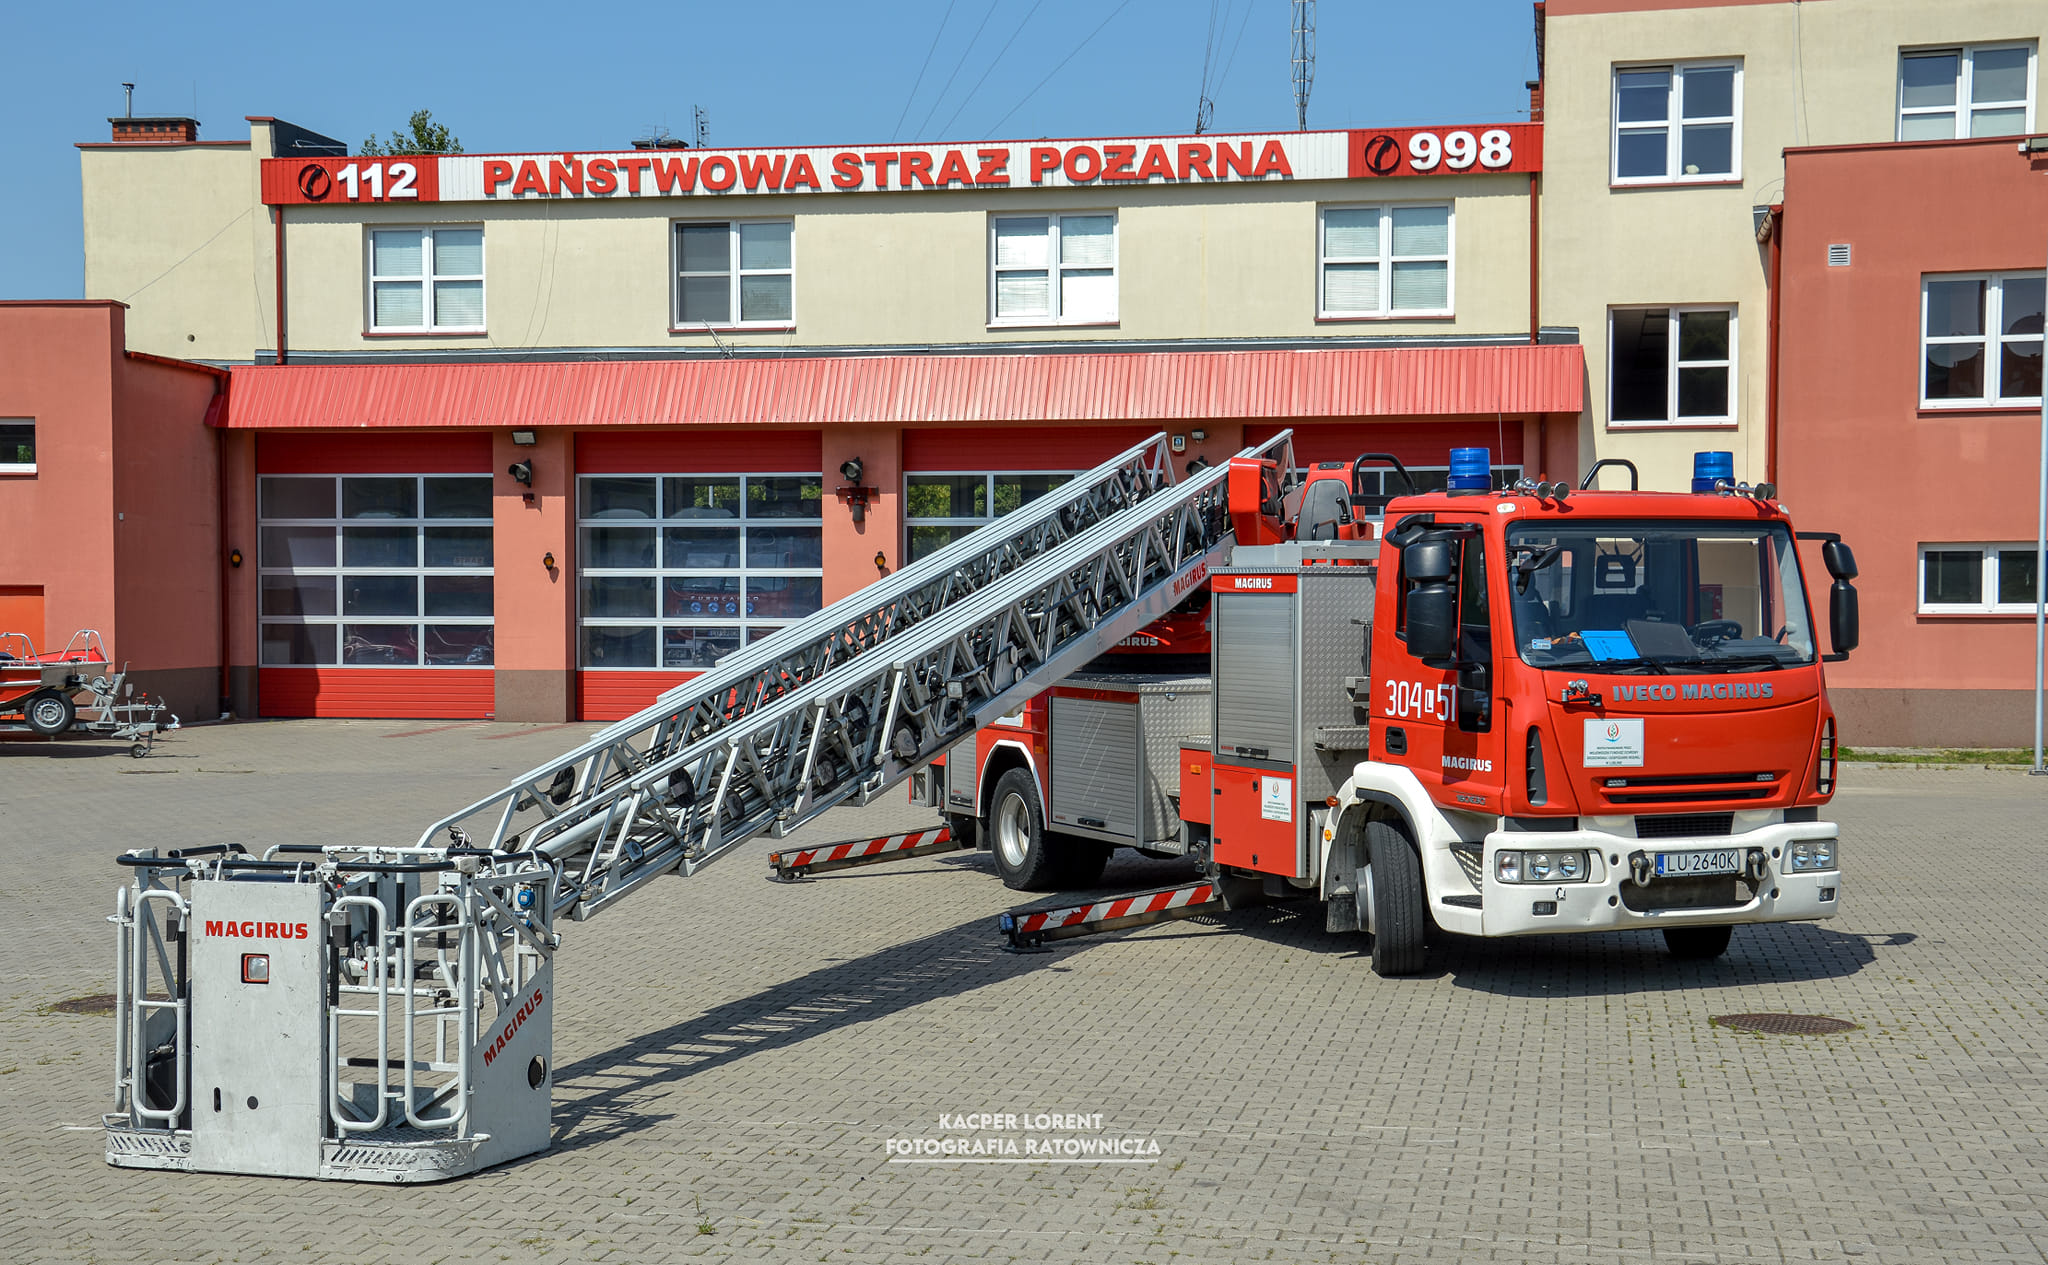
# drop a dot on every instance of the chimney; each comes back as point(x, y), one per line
point(130, 130)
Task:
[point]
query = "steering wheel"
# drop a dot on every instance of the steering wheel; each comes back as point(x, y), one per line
point(1711, 630)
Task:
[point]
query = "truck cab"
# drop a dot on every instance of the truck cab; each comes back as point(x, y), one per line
point(1567, 710)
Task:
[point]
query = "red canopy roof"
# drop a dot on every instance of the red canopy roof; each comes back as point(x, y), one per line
point(1187, 386)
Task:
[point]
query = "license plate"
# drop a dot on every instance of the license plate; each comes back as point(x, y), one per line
point(1687, 864)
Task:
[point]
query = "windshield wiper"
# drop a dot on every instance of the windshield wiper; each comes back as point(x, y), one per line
point(1733, 663)
point(1630, 665)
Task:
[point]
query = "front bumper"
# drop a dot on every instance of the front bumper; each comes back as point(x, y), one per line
point(1600, 904)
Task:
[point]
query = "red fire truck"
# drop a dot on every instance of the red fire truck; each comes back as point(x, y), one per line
point(1526, 710)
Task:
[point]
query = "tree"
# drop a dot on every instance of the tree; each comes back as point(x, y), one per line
point(427, 137)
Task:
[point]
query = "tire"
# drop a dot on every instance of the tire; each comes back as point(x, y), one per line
point(1697, 944)
point(50, 714)
point(1400, 918)
point(1016, 834)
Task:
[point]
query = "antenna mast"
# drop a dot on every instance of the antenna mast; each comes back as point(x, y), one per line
point(703, 127)
point(1304, 58)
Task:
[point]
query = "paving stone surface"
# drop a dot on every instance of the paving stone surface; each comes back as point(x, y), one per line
point(735, 1056)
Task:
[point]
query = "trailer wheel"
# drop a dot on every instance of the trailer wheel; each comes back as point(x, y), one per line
point(1399, 915)
point(1016, 834)
point(1697, 943)
point(50, 714)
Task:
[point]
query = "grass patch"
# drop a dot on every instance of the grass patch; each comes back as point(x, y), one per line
point(1945, 755)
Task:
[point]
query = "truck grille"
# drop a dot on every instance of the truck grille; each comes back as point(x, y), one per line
point(1685, 825)
point(1689, 788)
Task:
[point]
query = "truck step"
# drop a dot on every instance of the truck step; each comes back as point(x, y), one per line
point(802, 863)
point(1029, 931)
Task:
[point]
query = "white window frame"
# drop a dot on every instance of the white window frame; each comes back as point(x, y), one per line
point(426, 279)
point(1993, 340)
point(341, 569)
point(733, 274)
point(1963, 108)
point(660, 572)
point(1990, 605)
point(988, 490)
point(1674, 124)
point(1672, 365)
point(20, 467)
point(1053, 268)
point(1386, 259)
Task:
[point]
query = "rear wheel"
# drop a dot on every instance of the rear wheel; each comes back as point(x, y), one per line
point(50, 714)
point(1697, 943)
point(1016, 834)
point(1399, 915)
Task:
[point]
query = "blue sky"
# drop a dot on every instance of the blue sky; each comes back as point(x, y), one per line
point(523, 76)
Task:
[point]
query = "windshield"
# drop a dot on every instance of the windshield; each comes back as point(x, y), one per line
point(1662, 597)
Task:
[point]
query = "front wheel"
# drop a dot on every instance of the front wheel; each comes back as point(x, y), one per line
point(50, 714)
point(1399, 915)
point(1697, 943)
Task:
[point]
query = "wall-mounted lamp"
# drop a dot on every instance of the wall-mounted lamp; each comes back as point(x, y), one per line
point(855, 496)
point(2034, 145)
point(1198, 435)
point(234, 557)
point(547, 560)
point(525, 438)
point(881, 562)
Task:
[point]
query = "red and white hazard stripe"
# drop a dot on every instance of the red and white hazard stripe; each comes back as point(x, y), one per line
point(858, 850)
point(1121, 907)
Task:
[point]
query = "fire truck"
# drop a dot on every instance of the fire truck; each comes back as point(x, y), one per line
point(1512, 711)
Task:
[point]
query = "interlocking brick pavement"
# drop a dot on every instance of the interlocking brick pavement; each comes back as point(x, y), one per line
point(735, 1054)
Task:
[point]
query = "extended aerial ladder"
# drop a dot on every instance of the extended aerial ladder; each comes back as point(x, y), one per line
point(430, 966)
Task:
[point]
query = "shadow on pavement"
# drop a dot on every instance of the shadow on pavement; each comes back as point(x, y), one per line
point(600, 1097)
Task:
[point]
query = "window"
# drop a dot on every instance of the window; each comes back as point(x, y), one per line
point(1671, 366)
point(427, 279)
point(1673, 124)
point(1052, 269)
point(17, 445)
point(941, 508)
point(1981, 340)
point(1385, 261)
point(1953, 93)
point(375, 571)
point(1977, 579)
point(678, 571)
point(738, 272)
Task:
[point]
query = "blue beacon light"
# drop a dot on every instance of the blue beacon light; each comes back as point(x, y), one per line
point(1711, 467)
point(1471, 470)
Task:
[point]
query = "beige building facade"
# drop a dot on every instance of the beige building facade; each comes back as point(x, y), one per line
point(1665, 127)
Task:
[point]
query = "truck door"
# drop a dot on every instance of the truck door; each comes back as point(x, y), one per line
point(1444, 723)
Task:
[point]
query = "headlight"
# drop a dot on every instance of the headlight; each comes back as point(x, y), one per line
point(1815, 854)
point(1513, 866)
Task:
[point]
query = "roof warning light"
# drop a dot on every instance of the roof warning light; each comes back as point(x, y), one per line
point(1471, 470)
point(1709, 468)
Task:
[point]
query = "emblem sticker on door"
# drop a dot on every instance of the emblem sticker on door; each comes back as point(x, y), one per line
point(1276, 798)
point(1614, 744)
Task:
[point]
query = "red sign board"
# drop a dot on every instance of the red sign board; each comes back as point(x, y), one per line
point(317, 181)
point(1446, 151)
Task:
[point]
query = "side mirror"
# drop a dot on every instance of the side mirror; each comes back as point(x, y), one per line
point(1431, 623)
point(1843, 626)
point(1839, 559)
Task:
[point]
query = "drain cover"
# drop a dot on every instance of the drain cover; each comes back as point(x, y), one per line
point(1787, 1025)
point(96, 1004)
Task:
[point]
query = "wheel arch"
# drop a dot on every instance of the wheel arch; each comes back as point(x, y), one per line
point(1004, 755)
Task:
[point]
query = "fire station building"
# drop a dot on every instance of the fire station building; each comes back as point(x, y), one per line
point(534, 436)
